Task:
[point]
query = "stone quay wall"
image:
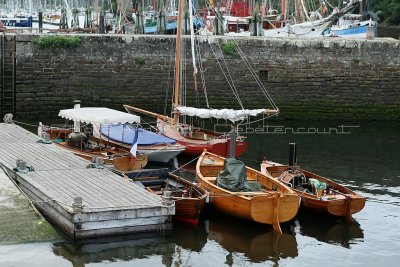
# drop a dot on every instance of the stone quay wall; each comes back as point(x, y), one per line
point(313, 79)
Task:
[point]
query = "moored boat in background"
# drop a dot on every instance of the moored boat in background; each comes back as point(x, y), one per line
point(352, 26)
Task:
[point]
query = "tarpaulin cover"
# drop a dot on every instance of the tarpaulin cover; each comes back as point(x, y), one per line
point(161, 173)
point(125, 134)
point(233, 177)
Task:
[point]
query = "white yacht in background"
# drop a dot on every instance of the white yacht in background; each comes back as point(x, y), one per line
point(17, 18)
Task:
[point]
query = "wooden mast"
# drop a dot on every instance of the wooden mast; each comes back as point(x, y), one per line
point(283, 10)
point(177, 63)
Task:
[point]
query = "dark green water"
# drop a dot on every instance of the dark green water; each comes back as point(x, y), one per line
point(365, 158)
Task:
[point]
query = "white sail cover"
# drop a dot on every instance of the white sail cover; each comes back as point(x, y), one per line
point(98, 115)
point(226, 114)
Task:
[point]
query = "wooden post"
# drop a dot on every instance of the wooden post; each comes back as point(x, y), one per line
point(77, 205)
point(40, 21)
point(101, 24)
point(167, 200)
point(292, 154)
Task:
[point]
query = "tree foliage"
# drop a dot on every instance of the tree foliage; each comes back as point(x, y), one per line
point(387, 10)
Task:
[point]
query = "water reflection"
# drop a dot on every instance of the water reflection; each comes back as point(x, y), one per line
point(329, 229)
point(257, 242)
point(19, 223)
point(123, 248)
point(189, 236)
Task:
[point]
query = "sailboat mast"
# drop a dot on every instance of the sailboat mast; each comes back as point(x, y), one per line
point(177, 62)
point(283, 10)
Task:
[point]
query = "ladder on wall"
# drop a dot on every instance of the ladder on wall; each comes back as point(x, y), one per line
point(8, 74)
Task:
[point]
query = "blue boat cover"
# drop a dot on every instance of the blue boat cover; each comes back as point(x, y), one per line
point(126, 132)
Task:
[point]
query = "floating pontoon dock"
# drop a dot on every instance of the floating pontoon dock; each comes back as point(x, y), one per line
point(110, 205)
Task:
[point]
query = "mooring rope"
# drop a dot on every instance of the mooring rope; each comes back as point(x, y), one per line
point(185, 164)
point(22, 192)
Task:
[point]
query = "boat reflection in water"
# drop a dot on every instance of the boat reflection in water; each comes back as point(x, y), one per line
point(122, 248)
point(329, 229)
point(189, 236)
point(256, 241)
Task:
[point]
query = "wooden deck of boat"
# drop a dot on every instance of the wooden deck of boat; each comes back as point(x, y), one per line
point(110, 204)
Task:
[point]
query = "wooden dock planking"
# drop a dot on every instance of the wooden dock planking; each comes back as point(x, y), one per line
point(111, 204)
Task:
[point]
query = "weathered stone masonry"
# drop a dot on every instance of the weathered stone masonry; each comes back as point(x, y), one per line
point(307, 78)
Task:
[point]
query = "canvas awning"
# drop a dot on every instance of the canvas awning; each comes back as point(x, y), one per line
point(98, 115)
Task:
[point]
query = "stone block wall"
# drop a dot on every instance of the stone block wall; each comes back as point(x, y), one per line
point(316, 79)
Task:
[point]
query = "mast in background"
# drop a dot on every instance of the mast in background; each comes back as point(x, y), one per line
point(177, 62)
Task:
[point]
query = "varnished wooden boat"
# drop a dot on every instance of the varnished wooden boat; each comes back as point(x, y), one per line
point(336, 199)
point(276, 203)
point(117, 156)
point(189, 198)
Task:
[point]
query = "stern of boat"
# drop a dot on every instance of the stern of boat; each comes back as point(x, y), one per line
point(284, 208)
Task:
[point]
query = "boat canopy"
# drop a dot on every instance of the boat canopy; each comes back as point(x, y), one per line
point(233, 177)
point(98, 115)
point(125, 134)
point(227, 114)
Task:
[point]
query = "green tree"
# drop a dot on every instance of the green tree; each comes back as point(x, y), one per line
point(387, 10)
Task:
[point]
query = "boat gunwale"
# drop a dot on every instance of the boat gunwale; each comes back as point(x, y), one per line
point(270, 194)
point(331, 183)
point(203, 193)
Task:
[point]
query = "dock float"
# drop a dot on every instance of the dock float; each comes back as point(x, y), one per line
point(82, 202)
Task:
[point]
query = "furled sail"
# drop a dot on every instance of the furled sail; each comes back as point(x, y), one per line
point(226, 114)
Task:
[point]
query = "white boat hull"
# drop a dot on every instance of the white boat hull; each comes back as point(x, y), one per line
point(312, 29)
point(161, 155)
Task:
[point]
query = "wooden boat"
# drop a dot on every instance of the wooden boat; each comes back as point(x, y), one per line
point(273, 204)
point(157, 147)
point(88, 146)
point(326, 197)
point(196, 139)
point(189, 198)
point(118, 157)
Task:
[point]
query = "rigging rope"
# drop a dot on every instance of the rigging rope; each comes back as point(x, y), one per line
point(201, 71)
point(248, 65)
point(227, 79)
point(263, 89)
